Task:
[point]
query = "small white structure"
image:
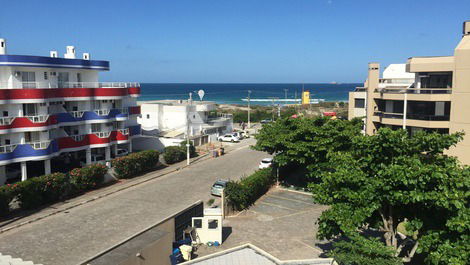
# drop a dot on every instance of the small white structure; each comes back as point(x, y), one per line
point(166, 123)
point(209, 227)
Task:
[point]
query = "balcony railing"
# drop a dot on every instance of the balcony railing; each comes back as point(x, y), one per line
point(78, 138)
point(102, 112)
point(6, 120)
point(77, 113)
point(360, 89)
point(103, 134)
point(412, 116)
point(68, 84)
point(39, 145)
point(7, 148)
point(403, 90)
point(38, 118)
point(124, 131)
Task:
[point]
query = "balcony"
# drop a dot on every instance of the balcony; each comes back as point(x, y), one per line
point(39, 145)
point(7, 148)
point(418, 94)
point(6, 120)
point(124, 131)
point(24, 152)
point(403, 90)
point(38, 118)
point(417, 120)
point(105, 134)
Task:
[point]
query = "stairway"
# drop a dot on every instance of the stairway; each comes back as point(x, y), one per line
point(9, 260)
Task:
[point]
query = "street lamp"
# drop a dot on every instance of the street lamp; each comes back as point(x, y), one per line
point(249, 124)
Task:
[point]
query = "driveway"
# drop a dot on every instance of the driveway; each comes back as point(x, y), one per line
point(281, 222)
point(81, 232)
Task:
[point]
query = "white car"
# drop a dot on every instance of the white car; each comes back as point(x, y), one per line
point(228, 138)
point(238, 134)
point(265, 163)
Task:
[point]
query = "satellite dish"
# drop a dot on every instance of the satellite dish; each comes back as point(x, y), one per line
point(201, 94)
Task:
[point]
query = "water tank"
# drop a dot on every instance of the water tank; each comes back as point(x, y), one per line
point(3, 46)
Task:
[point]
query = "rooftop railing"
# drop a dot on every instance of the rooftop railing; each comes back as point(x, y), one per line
point(7, 148)
point(4, 85)
point(39, 145)
point(403, 90)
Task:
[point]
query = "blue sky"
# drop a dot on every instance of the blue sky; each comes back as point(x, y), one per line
point(275, 41)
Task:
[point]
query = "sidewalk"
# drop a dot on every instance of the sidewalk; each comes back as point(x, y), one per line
point(120, 185)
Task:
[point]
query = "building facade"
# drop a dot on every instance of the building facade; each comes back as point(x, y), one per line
point(54, 113)
point(436, 100)
point(171, 120)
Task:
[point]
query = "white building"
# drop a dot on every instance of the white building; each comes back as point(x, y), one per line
point(170, 120)
point(55, 109)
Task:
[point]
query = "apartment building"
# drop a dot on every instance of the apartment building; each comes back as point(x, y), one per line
point(55, 113)
point(436, 100)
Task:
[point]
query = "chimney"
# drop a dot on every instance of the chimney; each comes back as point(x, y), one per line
point(466, 27)
point(70, 52)
point(3, 46)
point(86, 56)
point(54, 54)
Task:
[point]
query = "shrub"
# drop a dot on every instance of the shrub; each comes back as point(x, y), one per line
point(134, 164)
point(41, 190)
point(243, 193)
point(192, 149)
point(88, 177)
point(174, 154)
point(7, 193)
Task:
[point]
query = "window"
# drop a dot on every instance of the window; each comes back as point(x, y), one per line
point(213, 224)
point(359, 103)
point(197, 223)
point(7, 141)
point(28, 79)
point(5, 113)
point(45, 76)
point(79, 77)
point(148, 116)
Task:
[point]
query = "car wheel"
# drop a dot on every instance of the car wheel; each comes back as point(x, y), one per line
point(232, 141)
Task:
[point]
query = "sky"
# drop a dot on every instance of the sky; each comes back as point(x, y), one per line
point(238, 41)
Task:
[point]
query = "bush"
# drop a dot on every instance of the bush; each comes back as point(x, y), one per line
point(88, 177)
point(7, 193)
point(41, 190)
point(174, 154)
point(242, 194)
point(192, 149)
point(134, 164)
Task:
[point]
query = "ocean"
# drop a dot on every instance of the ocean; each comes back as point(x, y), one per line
point(261, 94)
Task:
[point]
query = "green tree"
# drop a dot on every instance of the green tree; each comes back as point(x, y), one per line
point(390, 178)
point(307, 142)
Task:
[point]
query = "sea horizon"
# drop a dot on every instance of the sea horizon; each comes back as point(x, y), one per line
point(233, 93)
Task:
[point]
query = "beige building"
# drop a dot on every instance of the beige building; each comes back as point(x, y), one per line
point(432, 94)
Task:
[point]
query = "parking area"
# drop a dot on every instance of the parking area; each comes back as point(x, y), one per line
point(282, 223)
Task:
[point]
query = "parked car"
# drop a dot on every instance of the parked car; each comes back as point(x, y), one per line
point(228, 138)
point(218, 186)
point(266, 121)
point(265, 163)
point(122, 152)
point(238, 134)
point(95, 158)
point(245, 134)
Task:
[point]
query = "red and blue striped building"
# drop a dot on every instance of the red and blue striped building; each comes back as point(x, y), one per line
point(54, 112)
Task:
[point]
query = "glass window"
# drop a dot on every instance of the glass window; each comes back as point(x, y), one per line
point(28, 79)
point(197, 223)
point(213, 224)
point(359, 103)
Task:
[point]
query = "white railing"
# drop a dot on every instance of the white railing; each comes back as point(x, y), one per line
point(77, 113)
point(38, 145)
point(77, 138)
point(124, 110)
point(124, 131)
point(103, 134)
point(38, 118)
point(68, 84)
point(6, 120)
point(7, 148)
point(102, 112)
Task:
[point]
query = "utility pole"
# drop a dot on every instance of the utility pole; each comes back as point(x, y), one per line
point(249, 124)
point(274, 106)
point(190, 103)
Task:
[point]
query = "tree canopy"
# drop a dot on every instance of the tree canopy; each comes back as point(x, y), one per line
point(375, 183)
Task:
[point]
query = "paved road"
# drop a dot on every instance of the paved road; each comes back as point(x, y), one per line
point(82, 232)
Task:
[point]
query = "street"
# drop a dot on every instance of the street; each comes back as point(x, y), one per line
point(81, 232)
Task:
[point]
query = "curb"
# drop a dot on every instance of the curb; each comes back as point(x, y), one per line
point(201, 158)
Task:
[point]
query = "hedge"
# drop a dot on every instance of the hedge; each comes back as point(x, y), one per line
point(87, 178)
point(173, 154)
point(35, 192)
point(243, 193)
point(135, 164)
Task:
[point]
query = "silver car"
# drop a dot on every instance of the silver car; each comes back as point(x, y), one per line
point(218, 186)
